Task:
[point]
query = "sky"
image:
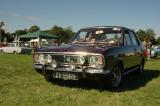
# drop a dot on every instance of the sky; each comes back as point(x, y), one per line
point(134, 14)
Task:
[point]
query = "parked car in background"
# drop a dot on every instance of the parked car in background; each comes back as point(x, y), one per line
point(1, 45)
point(16, 48)
point(155, 50)
point(104, 53)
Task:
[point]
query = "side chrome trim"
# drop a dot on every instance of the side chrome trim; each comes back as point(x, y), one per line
point(130, 71)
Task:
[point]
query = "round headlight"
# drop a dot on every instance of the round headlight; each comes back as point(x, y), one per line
point(81, 60)
point(93, 61)
point(96, 61)
point(48, 59)
point(36, 58)
point(54, 64)
point(41, 59)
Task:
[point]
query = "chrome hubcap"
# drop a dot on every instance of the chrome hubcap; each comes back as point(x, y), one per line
point(116, 77)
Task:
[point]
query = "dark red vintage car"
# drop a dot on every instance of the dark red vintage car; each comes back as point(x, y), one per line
point(97, 53)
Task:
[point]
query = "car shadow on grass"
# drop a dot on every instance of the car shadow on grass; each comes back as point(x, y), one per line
point(131, 81)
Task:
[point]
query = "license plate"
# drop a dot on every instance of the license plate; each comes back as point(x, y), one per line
point(65, 76)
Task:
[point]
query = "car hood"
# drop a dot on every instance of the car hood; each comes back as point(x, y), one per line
point(73, 48)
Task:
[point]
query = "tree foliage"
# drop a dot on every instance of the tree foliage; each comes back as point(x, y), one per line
point(141, 34)
point(33, 28)
point(158, 40)
point(64, 34)
point(20, 32)
point(148, 34)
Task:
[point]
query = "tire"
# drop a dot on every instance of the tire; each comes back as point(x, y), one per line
point(39, 71)
point(2, 52)
point(116, 76)
point(141, 67)
point(48, 79)
point(14, 52)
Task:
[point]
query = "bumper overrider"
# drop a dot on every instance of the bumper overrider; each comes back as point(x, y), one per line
point(73, 70)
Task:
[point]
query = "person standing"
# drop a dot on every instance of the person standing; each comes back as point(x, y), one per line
point(148, 47)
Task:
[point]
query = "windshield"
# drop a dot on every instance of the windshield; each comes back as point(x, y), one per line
point(103, 35)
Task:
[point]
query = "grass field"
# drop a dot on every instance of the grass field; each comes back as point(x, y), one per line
point(21, 85)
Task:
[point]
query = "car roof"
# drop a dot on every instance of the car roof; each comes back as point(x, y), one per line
point(97, 27)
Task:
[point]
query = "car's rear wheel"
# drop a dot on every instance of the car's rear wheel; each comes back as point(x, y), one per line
point(117, 76)
point(141, 67)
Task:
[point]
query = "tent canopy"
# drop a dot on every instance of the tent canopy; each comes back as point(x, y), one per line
point(40, 34)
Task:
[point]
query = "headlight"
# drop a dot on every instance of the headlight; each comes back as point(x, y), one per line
point(41, 59)
point(95, 61)
point(48, 59)
point(36, 58)
point(81, 60)
point(54, 64)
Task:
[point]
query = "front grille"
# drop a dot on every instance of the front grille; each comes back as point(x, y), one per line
point(64, 60)
point(70, 60)
point(59, 58)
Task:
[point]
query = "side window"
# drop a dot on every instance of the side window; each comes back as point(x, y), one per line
point(133, 37)
point(127, 38)
point(82, 35)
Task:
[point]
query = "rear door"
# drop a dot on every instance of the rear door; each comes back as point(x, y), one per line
point(129, 53)
point(137, 48)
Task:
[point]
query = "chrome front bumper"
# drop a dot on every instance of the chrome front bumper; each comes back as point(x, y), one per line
point(86, 70)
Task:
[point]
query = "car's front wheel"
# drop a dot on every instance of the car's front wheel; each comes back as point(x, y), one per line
point(48, 79)
point(116, 76)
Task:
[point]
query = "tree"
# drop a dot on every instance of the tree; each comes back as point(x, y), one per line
point(158, 40)
point(64, 34)
point(69, 33)
point(150, 34)
point(19, 32)
point(33, 28)
point(141, 34)
point(1, 30)
point(10, 37)
point(56, 30)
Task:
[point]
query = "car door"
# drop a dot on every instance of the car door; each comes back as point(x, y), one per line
point(129, 53)
point(137, 48)
point(10, 48)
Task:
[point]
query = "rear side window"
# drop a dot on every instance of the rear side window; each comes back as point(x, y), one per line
point(134, 38)
point(127, 38)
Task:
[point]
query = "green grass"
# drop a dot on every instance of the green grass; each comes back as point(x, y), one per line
point(21, 85)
